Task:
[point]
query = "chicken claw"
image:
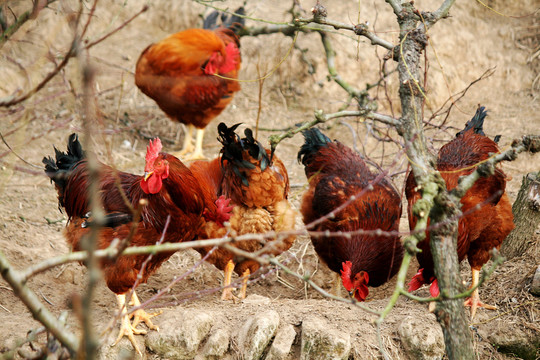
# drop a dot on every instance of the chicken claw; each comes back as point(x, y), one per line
point(474, 301)
point(141, 315)
point(126, 329)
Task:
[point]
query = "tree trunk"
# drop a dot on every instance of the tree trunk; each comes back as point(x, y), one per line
point(450, 313)
point(526, 211)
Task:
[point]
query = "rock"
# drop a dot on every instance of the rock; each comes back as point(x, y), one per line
point(256, 333)
point(319, 341)
point(422, 337)
point(124, 349)
point(508, 338)
point(535, 286)
point(216, 346)
point(281, 346)
point(181, 333)
point(256, 299)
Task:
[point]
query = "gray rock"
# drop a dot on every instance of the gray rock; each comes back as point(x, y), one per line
point(535, 286)
point(122, 351)
point(422, 337)
point(319, 341)
point(180, 335)
point(510, 339)
point(281, 346)
point(256, 333)
point(216, 346)
point(256, 299)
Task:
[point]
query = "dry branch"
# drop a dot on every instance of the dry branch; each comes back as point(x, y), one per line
point(17, 282)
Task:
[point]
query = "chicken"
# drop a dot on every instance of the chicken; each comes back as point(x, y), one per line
point(338, 175)
point(480, 229)
point(255, 184)
point(192, 75)
point(170, 190)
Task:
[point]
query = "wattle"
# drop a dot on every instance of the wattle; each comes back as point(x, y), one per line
point(152, 185)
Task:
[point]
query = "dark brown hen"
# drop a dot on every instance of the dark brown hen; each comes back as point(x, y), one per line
point(487, 218)
point(336, 175)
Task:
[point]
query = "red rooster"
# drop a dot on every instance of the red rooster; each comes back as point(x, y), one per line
point(170, 190)
point(254, 184)
point(480, 229)
point(179, 73)
point(335, 174)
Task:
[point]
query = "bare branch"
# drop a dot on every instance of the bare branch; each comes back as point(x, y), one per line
point(396, 5)
point(19, 21)
point(39, 312)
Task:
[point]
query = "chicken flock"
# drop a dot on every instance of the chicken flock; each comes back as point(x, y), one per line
point(352, 213)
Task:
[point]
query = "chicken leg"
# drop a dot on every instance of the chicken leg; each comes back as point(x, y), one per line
point(337, 284)
point(142, 316)
point(474, 301)
point(126, 329)
point(189, 152)
point(245, 278)
point(188, 146)
point(197, 154)
point(227, 289)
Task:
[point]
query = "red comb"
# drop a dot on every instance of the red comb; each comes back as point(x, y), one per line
point(346, 275)
point(434, 288)
point(152, 150)
point(417, 281)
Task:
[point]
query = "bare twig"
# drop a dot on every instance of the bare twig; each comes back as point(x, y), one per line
point(19, 21)
point(38, 310)
point(73, 50)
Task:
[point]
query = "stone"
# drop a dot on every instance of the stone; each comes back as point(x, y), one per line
point(509, 339)
point(216, 346)
point(180, 335)
point(321, 342)
point(281, 346)
point(256, 299)
point(422, 337)
point(256, 333)
point(535, 286)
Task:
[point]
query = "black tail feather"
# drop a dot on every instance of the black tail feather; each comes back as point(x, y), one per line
point(58, 170)
point(314, 139)
point(234, 147)
point(230, 21)
point(476, 123)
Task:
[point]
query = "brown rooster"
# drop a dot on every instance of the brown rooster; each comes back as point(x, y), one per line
point(480, 229)
point(337, 175)
point(179, 73)
point(170, 190)
point(255, 184)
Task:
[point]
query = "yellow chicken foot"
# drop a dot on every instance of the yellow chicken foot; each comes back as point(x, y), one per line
point(336, 284)
point(188, 146)
point(227, 289)
point(474, 301)
point(141, 315)
point(126, 329)
point(245, 278)
point(197, 154)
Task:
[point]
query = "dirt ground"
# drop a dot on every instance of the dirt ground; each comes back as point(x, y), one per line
point(462, 47)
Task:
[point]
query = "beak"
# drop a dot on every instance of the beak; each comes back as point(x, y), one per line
point(147, 175)
point(351, 293)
